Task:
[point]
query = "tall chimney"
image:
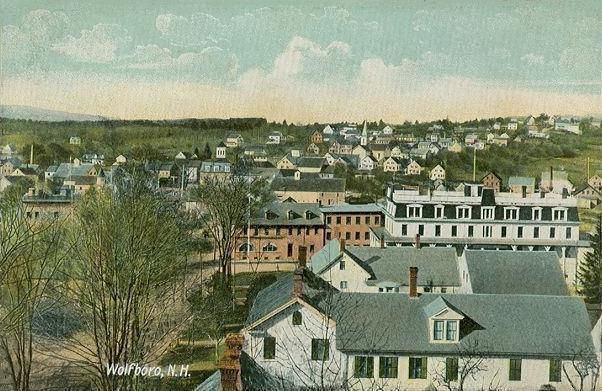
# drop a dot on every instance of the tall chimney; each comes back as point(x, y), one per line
point(229, 365)
point(342, 246)
point(302, 256)
point(417, 244)
point(551, 178)
point(413, 280)
point(298, 283)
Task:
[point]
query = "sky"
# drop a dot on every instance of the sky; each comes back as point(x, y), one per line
point(310, 61)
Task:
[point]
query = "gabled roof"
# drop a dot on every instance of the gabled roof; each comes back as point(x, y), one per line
point(278, 213)
point(309, 184)
point(521, 181)
point(515, 272)
point(495, 174)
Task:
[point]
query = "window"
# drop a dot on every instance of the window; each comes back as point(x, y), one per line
point(414, 211)
point(451, 369)
point(387, 367)
point(536, 214)
point(363, 367)
point(367, 236)
point(299, 231)
point(278, 231)
point(559, 214)
point(343, 285)
point(269, 248)
point(488, 212)
point(342, 265)
point(376, 220)
point(470, 231)
point(319, 349)
point(552, 232)
point(367, 220)
point(555, 371)
point(511, 213)
point(338, 219)
point(568, 232)
point(297, 318)
point(504, 232)
point(328, 235)
point(312, 248)
point(520, 232)
point(536, 232)
point(289, 250)
point(452, 329)
point(463, 212)
point(243, 248)
point(347, 235)
point(404, 230)
point(266, 231)
point(437, 230)
point(316, 230)
point(357, 220)
point(348, 220)
point(515, 369)
point(255, 231)
point(421, 229)
point(328, 219)
point(357, 236)
point(487, 231)
point(439, 211)
point(417, 368)
point(454, 230)
point(438, 330)
point(290, 231)
point(269, 348)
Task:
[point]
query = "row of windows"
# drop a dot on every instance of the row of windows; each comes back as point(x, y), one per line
point(487, 212)
point(320, 349)
point(348, 219)
point(417, 368)
point(270, 247)
point(356, 235)
point(278, 231)
point(487, 231)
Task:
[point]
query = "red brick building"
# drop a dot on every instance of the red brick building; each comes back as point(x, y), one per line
point(352, 222)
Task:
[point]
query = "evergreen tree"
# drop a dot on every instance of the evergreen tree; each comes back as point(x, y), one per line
point(197, 152)
point(206, 152)
point(589, 274)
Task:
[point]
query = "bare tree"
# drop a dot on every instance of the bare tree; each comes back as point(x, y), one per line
point(582, 366)
point(126, 280)
point(227, 202)
point(30, 254)
point(471, 364)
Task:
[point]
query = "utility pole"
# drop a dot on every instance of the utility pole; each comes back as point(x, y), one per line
point(474, 164)
point(587, 169)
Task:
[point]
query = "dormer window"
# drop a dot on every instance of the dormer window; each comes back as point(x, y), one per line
point(511, 213)
point(309, 215)
point(559, 214)
point(463, 212)
point(269, 215)
point(536, 214)
point(414, 211)
point(488, 212)
point(445, 330)
point(439, 211)
point(444, 321)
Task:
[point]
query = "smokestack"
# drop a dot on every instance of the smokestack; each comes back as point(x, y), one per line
point(551, 178)
point(524, 190)
point(229, 365)
point(565, 192)
point(413, 280)
point(302, 256)
point(342, 246)
point(417, 244)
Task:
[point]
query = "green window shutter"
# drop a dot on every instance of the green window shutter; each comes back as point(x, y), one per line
point(423, 368)
point(370, 368)
point(451, 369)
point(555, 371)
point(269, 348)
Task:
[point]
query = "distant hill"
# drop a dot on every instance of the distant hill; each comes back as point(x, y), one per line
point(37, 114)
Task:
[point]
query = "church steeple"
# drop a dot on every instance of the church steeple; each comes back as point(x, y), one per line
point(364, 138)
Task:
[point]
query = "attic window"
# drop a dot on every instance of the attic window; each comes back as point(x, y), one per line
point(297, 318)
point(292, 215)
point(445, 330)
point(309, 215)
point(270, 215)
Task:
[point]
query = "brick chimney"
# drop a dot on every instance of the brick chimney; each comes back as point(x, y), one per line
point(524, 191)
point(342, 246)
point(551, 178)
point(413, 280)
point(298, 282)
point(382, 241)
point(229, 365)
point(417, 243)
point(302, 256)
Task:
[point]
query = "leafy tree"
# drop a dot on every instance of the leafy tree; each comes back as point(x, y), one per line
point(589, 270)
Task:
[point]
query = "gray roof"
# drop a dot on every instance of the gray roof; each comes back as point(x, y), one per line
point(352, 208)
point(325, 256)
point(496, 325)
point(437, 266)
point(64, 170)
point(289, 213)
point(515, 272)
point(310, 161)
point(521, 181)
point(309, 184)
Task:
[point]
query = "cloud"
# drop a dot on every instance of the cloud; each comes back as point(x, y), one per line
point(99, 45)
point(212, 63)
point(198, 29)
